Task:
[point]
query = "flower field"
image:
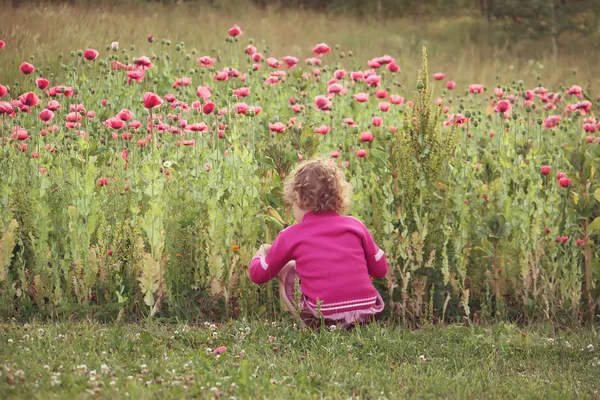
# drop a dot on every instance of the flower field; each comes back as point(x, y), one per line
point(141, 184)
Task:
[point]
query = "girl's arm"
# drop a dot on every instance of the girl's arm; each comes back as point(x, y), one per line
point(263, 268)
point(376, 262)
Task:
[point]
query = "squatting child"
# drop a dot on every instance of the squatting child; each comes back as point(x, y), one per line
point(333, 255)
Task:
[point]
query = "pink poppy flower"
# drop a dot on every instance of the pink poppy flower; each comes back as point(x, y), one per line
point(373, 80)
point(234, 31)
point(384, 106)
point(397, 100)
point(357, 76)
point(182, 82)
point(26, 68)
point(143, 62)
point(439, 76)
point(322, 130)
point(136, 75)
point(290, 61)
point(274, 63)
point(29, 99)
point(114, 123)
point(206, 61)
point(90, 54)
point(361, 97)
point(46, 115)
point(322, 103)
point(277, 127)
point(321, 49)
point(366, 137)
point(340, 74)
point(257, 57)
point(475, 88)
point(204, 92)
point(41, 83)
point(152, 100)
point(576, 90)
point(393, 67)
point(336, 89)
point(349, 122)
point(503, 107)
point(552, 121)
point(381, 94)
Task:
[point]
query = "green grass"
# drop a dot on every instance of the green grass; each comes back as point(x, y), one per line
point(276, 360)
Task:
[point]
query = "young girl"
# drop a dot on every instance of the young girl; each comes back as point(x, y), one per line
point(333, 255)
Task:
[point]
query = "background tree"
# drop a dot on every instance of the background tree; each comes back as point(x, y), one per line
point(545, 18)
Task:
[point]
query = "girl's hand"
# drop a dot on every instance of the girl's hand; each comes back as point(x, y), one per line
point(262, 250)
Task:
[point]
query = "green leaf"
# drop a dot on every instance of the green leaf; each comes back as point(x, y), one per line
point(577, 160)
point(594, 227)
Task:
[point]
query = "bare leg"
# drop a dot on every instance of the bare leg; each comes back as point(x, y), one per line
point(287, 281)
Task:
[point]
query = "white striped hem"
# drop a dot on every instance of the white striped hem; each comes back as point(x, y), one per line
point(379, 254)
point(345, 304)
point(368, 303)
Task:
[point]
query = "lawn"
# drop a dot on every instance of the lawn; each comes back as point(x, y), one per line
point(280, 360)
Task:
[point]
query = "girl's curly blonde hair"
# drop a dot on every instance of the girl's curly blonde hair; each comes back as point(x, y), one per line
point(318, 186)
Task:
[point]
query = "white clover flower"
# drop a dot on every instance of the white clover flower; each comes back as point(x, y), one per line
point(590, 347)
point(167, 164)
point(104, 369)
point(332, 328)
point(10, 341)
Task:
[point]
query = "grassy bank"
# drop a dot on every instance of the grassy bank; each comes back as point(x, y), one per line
point(467, 48)
point(272, 360)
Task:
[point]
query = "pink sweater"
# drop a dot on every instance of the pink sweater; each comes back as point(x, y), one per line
point(335, 257)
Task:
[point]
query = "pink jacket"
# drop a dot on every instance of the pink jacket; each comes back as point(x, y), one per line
point(335, 257)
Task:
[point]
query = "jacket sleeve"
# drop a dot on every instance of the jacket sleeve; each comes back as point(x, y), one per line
point(263, 269)
point(376, 261)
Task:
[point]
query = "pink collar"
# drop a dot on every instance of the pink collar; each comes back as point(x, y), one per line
point(311, 215)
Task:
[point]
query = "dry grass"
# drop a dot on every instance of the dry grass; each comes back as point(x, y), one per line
point(468, 50)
